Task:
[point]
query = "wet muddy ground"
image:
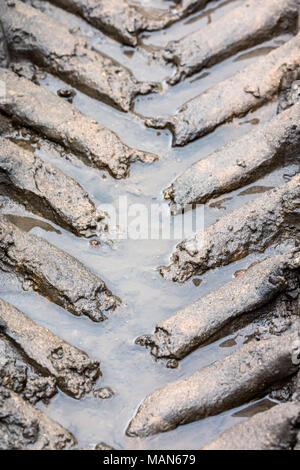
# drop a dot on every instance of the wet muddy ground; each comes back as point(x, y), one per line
point(129, 267)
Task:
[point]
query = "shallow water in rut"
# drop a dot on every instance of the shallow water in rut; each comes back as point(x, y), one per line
point(129, 267)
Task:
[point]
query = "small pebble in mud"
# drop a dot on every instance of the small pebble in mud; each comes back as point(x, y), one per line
point(172, 364)
point(197, 282)
point(67, 93)
point(74, 30)
point(103, 446)
point(27, 285)
point(94, 243)
point(104, 393)
point(239, 273)
point(144, 340)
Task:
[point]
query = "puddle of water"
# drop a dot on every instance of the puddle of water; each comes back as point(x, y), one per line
point(129, 266)
point(28, 223)
point(252, 410)
point(174, 97)
point(213, 11)
point(162, 4)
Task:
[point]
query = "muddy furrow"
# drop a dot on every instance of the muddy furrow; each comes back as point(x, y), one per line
point(245, 91)
point(74, 371)
point(42, 187)
point(239, 301)
point(48, 43)
point(228, 383)
point(23, 427)
point(275, 429)
point(262, 222)
point(54, 273)
point(240, 162)
point(19, 375)
point(59, 121)
point(125, 20)
point(245, 26)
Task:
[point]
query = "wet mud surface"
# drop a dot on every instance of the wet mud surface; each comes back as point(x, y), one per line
point(125, 20)
point(272, 430)
point(240, 377)
point(43, 187)
point(21, 377)
point(54, 274)
point(25, 427)
point(61, 122)
point(270, 219)
point(241, 162)
point(58, 118)
point(30, 33)
point(250, 88)
point(247, 25)
point(233, 302)
point(74, 371)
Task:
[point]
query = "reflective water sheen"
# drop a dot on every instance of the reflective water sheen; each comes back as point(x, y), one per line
point(129, 267)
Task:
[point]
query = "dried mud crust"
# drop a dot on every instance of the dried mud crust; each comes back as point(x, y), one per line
point(74, 371)
point(245, 91)
point(59, 121)
point(55, 274)
point(240, 162)
point(44, 188)
point(17, 374)
point(230, 382)
point(23, 427)
point(125, 19)
point(262, 290)
point(30, 33)
point(242, 27)
point(264, 221)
